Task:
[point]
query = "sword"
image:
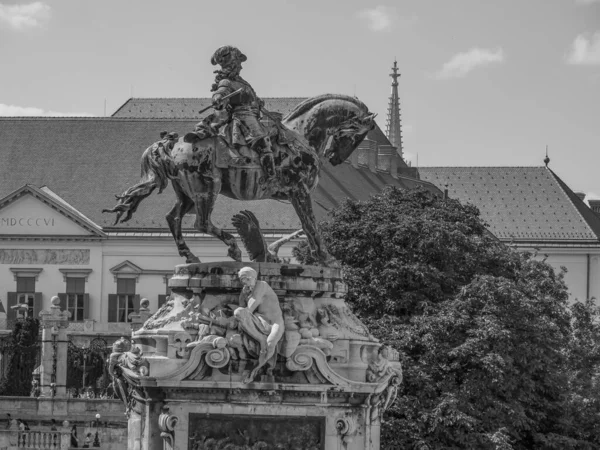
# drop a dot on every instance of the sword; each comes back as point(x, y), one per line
point(222, 99)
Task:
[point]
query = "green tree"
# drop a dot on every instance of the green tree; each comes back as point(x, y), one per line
point(22, 351)
point(485, 332)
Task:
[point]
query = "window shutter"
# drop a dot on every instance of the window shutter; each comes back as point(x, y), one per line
point(162, 299)
point(86, 306)
point(37, 305)
point(11, 300)
point(136, 303)
point(25, 284)
point(63, 302)
point(112, 307)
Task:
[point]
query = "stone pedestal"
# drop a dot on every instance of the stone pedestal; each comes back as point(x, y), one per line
point(53, 373)
point(187, 372)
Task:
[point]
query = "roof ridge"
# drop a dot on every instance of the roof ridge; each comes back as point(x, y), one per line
point(199, 98)
point(121, 107)
point(481, 167)
point(563, 187)
point(102, 118)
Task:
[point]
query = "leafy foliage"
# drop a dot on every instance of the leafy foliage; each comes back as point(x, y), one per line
point(493, 356)
point(21, 351)
point(80, 359)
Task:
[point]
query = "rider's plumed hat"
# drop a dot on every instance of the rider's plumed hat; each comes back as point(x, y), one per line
point(225, 53)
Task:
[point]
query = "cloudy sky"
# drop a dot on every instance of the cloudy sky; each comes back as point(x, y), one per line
point(484, 82)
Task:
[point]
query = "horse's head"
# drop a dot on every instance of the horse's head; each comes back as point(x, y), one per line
point(334, 125)
point(346, 137)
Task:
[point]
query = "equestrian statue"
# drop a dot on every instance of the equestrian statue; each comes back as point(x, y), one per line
point(233, 152)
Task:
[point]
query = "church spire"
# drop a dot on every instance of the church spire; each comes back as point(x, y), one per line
point(393, 127)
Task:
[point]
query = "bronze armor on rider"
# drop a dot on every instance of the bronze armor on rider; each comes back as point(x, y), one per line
point(243, 108)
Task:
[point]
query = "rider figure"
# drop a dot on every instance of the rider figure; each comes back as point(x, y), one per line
point(244, 108)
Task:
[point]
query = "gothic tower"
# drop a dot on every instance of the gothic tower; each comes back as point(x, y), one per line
point(393, 127)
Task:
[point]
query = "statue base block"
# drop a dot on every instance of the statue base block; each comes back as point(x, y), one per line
point(195, 373)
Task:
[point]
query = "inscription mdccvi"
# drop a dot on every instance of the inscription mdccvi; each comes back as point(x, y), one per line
point(7, 222)
point(44, 256)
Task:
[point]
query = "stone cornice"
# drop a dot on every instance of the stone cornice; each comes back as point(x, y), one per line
point(26, 272)
point(551, 244)
point(76, 273)
point(49, 238)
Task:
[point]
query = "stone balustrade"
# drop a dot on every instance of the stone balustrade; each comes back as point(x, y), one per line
point(13, 438)
point(43, 439)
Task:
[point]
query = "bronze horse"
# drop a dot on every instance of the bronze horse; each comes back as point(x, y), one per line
point(326, 128)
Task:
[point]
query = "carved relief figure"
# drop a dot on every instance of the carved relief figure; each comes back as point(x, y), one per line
point(379, 369)
point(382, 366)
point(125, 367)
point(44, 256)
point(259, 317)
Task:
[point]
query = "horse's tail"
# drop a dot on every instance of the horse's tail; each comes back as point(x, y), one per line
point(155, 169)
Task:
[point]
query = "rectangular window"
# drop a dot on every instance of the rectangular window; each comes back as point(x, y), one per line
point(26, 293)
point(124, 302)
point(76, 298)
point(162, 299)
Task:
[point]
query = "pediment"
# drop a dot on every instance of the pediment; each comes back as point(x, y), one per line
point(126, 268)
point(30, 211)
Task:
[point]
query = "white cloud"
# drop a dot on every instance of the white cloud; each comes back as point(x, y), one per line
point(23, 17)
point(585, 51)
point(586, 2)
point(21, 111)
point(463, 63)
point(378, 18)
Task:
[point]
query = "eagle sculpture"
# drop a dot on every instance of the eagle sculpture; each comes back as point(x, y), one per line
point(247, 226)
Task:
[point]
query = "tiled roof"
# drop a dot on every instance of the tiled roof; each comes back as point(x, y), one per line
point(187, 108)
point(86, 161)
point(65, 204)
point(520, 203)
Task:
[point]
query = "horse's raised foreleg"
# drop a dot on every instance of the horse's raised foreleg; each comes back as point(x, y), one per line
point(183, 205)
point(204, 206)
point(301, 202)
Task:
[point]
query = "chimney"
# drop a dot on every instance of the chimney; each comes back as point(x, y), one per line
point(362, 153)
point(372, 156)
point(394, 163)
point(384, 157)
point(581, 195)
point(595, 205)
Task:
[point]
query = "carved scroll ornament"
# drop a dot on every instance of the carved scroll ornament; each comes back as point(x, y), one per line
point(167, 423)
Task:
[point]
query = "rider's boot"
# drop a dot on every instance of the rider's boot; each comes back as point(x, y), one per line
point(268, 164)
point(266, 160)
